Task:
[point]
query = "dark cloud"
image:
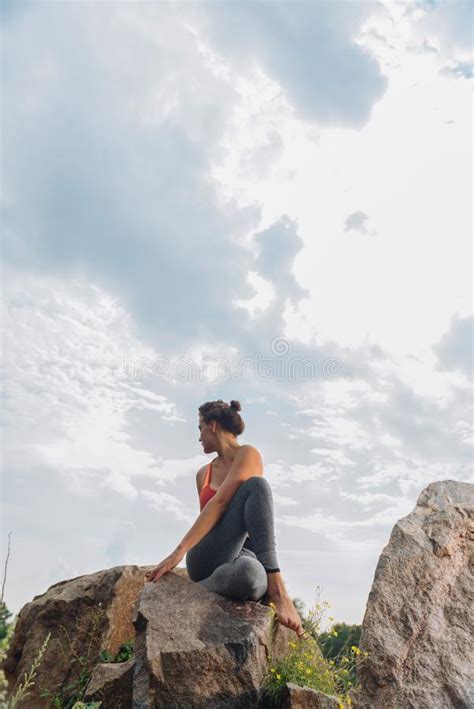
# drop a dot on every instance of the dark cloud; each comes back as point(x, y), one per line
point(108, 151)
point(309, 49)
point(107, 161)
point(420, 424)
point(278, 247)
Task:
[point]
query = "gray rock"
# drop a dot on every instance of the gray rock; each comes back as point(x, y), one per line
point(84, 615)
point(419, 620)
point(296, 697)
point(195, 649)
point(112, 684)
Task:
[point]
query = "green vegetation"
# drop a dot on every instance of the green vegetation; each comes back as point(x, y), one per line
point(340, 642)
point(323, 660)
point(23, 688)
point(68, 696)
point(71, 696)
point(125, 652)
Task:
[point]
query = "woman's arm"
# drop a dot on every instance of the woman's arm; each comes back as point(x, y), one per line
point(209, 516)
point(241, 468)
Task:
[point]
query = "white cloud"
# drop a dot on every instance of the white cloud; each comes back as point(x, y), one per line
point(447, 25)
point(164, 502)
point(61, 339)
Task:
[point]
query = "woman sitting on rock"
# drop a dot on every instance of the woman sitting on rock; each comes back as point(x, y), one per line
point(230, 549)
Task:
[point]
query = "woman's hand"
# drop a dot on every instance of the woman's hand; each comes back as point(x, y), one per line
point(166, 565)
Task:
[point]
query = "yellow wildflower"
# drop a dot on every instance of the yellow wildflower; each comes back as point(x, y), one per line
point(278, 676)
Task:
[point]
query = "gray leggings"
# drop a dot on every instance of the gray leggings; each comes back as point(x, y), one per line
point(225, 560)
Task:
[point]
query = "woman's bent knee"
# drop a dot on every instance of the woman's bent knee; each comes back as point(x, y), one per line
point(253, 577)
point(258, 482)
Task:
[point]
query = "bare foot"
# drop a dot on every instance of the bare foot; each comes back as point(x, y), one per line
point(286, 612)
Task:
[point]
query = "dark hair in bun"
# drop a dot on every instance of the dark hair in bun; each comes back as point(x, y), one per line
point(227, 415)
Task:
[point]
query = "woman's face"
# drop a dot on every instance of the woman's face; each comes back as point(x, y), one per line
point(206, 437)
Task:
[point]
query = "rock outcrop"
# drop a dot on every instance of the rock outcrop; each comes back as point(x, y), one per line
point(84, 615)
point(419, 621)
point(193, 648)
point(198, 649)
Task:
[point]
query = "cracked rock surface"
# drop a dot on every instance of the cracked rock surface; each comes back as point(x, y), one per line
point(195, 648)
point(419, 620)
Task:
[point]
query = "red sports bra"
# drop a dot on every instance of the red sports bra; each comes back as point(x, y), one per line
point(206, 491)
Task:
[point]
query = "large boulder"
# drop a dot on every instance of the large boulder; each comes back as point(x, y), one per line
point(196, 649)
point(84, 615)
point(193, 648)
point(418, 626)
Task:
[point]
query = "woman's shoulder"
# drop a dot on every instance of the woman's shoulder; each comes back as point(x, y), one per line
point(250, 451)
point(251, 458)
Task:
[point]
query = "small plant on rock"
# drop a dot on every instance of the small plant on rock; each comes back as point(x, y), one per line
point(70, 695)
point(23, 689)
point(304, 664)
point(125, 652)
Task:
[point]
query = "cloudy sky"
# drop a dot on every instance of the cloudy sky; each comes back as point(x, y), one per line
point(260, 201)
